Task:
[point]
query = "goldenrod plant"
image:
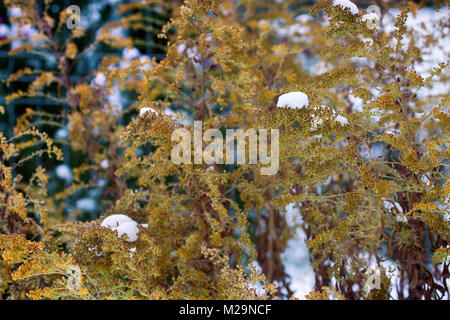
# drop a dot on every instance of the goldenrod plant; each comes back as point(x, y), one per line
point(354, 102)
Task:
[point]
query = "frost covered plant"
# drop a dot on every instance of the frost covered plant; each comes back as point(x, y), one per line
point(189, 239)
point(373, 192)
point(363, 148)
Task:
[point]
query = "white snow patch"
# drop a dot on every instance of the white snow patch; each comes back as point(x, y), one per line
point(192, 53)
point(117, 32)
point(104, 164)
point(145, 110)
point(86, 204)
point(320, 67)
point(425, 23)
point(130, 54)
point(114, 220)
point(101, 182)
point(392, 204)
point(146, 63)
point(294, 100)
point(62, 133)
point(100, 79)
point(4, 31)
point(316, 123)
point(370, 17)
point(115, 98)
point(181, 47)
point(27, 30)
point(317, 137)
point(400, 216)
point(316, 120)
point(122, 224)
point(377, 151)
point(342, 120)
point(375, 115)
point(296, 257)
point(15, 12)
point(63, 171)
point(129, 228)
point(346, 4)
point(357, 103)
point(425, 180)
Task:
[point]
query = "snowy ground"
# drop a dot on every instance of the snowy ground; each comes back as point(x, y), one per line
point(296, 258)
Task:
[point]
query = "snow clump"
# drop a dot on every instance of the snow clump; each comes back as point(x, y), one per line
point(145, 110)
point(346, 4)
point(293, 100)
point(100, 79)
point(123, 224)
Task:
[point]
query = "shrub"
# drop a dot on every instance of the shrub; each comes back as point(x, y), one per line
point(178, 231)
